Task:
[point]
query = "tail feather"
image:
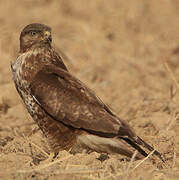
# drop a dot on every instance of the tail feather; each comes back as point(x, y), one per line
point(134, 145)
point(126, 133)
point(137, 142)
point(147, 146)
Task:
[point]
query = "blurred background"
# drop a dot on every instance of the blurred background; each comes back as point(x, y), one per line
point(115, 41)
point(118, 48)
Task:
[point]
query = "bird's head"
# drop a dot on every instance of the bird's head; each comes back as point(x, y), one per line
point(35, 35)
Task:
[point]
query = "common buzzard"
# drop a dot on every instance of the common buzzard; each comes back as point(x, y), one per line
point(69, 114)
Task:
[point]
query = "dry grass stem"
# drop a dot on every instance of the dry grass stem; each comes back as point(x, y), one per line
point(46, 154)
point(174, 160)
point(150, 154)
point(171, 74)
point(172, 120)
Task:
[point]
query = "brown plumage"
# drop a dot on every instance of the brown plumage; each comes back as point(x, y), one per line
point(67, 111)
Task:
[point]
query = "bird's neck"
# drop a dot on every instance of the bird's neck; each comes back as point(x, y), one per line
point(30, 47)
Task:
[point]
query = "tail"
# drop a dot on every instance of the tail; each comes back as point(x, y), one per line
point(126, 133)
point(137, 142)
point(147, 146)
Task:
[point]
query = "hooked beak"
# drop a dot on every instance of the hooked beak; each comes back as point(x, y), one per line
point(48, 36)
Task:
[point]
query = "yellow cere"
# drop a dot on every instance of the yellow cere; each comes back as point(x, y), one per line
point(47, 33)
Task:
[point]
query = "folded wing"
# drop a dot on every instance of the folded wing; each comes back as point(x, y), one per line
point(69, 101)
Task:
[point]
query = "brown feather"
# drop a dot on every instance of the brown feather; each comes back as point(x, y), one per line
point(65, 109)
point(71, 102)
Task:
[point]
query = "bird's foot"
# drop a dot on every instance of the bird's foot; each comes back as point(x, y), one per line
point(103, 157)
point(51, 157)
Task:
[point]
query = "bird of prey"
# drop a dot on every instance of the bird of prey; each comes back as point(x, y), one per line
point(69, 113)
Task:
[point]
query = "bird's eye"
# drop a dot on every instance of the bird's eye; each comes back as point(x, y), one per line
point(33, 33)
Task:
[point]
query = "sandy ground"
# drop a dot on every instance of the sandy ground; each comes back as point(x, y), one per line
point(119, 49)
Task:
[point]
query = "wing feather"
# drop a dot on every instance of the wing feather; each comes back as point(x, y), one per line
point(68, 100)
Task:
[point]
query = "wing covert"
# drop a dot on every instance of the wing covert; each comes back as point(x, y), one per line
point(69, 101)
